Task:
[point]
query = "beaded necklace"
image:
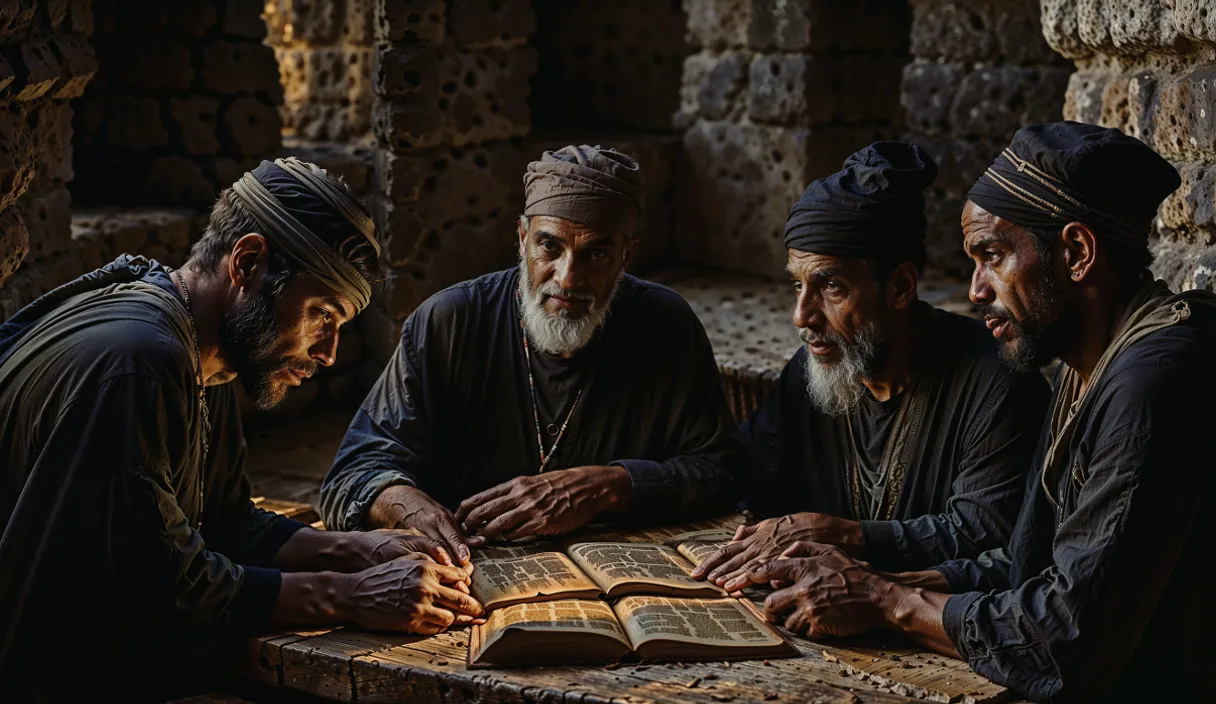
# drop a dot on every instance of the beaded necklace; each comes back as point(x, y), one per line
point(202, 395)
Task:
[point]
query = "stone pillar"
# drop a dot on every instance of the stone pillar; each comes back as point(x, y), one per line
point(45, 60)
point(324, 50)
point(777, 95)
point(451, 83)
point(184, 103)
point(981, 70)
point(1149, 69)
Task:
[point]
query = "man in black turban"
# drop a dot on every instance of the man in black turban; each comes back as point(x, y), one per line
point(122, 494)
point(533, 400)
point(1105, 592)
point(894, 432)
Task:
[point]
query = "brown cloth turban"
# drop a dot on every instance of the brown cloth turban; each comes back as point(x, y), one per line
point(600, 188)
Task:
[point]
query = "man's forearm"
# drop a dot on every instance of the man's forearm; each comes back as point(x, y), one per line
point(312, 598)
point(917, 613)
point(311, 550)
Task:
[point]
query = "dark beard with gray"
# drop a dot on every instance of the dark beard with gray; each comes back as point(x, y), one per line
point(1036, 340)
point(249, 336)
point(562, 333)
point(837, 387)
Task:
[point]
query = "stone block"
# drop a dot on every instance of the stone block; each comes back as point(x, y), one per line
point(1138, 26)
point(250, 127)
point(194, 120)
point(405, 70)
point(327, 121)
point(718, 24)
point(18, 156)
point(966, 31)
point(232, 68)
point(1185, 125)
point(325, 75)
point(152, 65)
point(1061, 28)
point(1195, 19)
point(54, 12)
point(14, 243)
point(483, 24)
point(52, 122)
point(353, 163)
point(1190, 211)
point(927, 93)
point(48, 217)
point(312, 22)
point(738, 182)
point(179, 181)
point(995, 101)
point(16, 17)
point(824, 25)
point(410, 21)
point(225, 171)
point(36, 69)
point(135, 123)
point(244, 19)
point(714, 85)
point(481, 96)
point(77, 66)
point(80, 17)
point(1142, 104)
point(792, 89)
point(358, 29)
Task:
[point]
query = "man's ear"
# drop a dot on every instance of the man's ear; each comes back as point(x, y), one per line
point(1080, 250)
point(901, 286)
point(631, 246)
point(248, 262)
point(523, 237)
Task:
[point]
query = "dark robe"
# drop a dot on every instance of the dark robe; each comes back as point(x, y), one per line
point(966, 455)
point(1109, 597)
point(100, 459)
point(452, 413)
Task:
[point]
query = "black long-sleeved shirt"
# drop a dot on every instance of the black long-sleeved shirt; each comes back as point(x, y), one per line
point(452, 411)
point(1109, 597)
point(963, 485)
point(100, 466)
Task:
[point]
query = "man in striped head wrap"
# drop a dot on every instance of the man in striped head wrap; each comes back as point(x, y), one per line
point(121, 485)
point(1105, 591)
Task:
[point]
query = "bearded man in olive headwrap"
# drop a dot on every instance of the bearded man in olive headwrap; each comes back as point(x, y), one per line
point(895, 432)
point(534, 400)
point(125, 507)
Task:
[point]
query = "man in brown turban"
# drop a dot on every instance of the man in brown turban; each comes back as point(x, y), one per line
point(534, 400)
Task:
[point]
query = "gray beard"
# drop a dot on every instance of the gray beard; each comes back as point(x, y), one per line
point(837, 387)
point(562, 333)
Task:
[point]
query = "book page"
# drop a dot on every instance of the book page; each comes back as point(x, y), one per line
point(720, 622)
point(698, 546)
point(612, 564)
point(506, 575)
point(562, 615)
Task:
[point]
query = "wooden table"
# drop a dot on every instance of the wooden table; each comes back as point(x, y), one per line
point(351, 665)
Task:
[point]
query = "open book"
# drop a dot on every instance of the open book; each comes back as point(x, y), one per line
point(650, 627)
point(584, 570)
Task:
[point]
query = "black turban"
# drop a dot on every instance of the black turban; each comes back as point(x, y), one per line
point(873, 209)
point(1054, 174)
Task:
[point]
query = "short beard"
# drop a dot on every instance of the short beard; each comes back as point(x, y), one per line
point(1035, 340)
point(249, 336)
point(837, 387)
point(562, 333)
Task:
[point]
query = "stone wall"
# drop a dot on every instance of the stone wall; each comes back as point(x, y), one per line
point(451, 81)
point(777, 94)
point(45, 61)
point(324, 50)
point(982, 70)
point(185, 101)
point(1149, 68)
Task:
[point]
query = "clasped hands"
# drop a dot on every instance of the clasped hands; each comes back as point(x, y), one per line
point(821, 590)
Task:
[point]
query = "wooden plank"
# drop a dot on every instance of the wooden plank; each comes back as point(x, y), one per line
point(297, 510)
point(893, 663)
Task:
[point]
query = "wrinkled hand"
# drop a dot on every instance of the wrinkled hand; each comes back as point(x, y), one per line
point(410, 595)
point(408, 507)
point(545, 504)
point(757, 544)
point(387, 544)
point(832, 594)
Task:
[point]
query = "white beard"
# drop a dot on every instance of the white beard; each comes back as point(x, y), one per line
point(837, 387)
point(562, 333)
